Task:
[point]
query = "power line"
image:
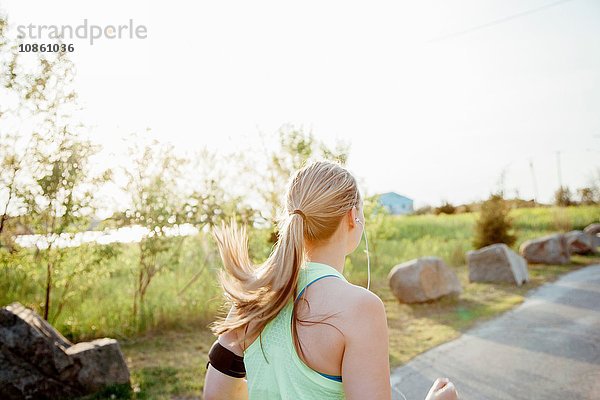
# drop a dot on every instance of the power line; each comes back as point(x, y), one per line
point(496, 22)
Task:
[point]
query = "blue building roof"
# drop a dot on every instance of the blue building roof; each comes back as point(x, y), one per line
point(393, 196)
point(396, 203)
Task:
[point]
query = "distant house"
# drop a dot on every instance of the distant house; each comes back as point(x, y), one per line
point(395, 203)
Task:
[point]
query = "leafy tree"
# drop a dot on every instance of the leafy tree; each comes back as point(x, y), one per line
point(10, 167)
point(156, 205)
point(60, 199)
point(46, 173)
point(494, 223)
point(563, 197)
point(594, 184)
point(587, 196)
point(11, 157)
point(209, 203)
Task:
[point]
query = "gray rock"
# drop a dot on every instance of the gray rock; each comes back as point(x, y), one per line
point(581, 242)
point(594, 230)
point(37, 362)
point(423, 279)
point(551, 249)
point(98, 366)
point(497, 263)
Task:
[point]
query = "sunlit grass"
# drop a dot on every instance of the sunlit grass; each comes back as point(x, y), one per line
point(164, 364)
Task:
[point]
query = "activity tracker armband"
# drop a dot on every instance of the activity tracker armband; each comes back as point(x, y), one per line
point(226, 361)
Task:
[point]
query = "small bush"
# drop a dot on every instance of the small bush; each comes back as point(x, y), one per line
point(563, 197)
point(494, 223)
point(445, 208)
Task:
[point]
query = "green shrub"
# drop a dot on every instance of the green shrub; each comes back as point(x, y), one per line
point(445, 208)
point(563, 197)
point(494, 223)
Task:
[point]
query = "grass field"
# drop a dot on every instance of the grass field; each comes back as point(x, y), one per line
point(167, 357)
point(171, 365)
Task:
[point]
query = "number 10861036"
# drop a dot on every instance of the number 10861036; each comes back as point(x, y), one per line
point(46, 48)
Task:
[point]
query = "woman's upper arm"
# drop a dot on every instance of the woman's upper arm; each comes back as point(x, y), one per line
point(365, 366)
point(219, 386)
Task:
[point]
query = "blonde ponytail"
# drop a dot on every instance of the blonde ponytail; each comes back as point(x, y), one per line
point(318, 196)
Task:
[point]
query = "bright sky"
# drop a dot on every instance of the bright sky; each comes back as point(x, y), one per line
point(429, 114)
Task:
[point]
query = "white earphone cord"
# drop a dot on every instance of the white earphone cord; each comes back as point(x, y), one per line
point(369, 280)
point(368, 259)
point(367, 250)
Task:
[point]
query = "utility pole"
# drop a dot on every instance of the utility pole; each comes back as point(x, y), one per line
point(501, 181)
point(535, 189)
point(558, 168)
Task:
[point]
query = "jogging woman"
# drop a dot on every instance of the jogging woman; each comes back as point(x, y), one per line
point(331, 341)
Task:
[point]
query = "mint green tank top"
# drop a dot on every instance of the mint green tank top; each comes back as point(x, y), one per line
point(285, 376)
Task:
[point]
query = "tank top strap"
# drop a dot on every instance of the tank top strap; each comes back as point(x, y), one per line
point(314, 271)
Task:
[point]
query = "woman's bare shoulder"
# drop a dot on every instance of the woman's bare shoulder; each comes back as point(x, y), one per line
point(355, 293)
point(348, 299)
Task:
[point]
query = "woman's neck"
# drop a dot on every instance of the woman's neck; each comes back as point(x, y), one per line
point(330, 255)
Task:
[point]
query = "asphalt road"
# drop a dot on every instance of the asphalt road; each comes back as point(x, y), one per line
point(547, 348)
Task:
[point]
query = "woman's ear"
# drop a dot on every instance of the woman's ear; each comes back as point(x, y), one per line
point(353, 214)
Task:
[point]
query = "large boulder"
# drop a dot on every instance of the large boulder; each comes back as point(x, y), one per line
point(37, 362)
point(423, 279)
point(550, 249)
point(497, 263)
point(594, 230)
point(581, 242)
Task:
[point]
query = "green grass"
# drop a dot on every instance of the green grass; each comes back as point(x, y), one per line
point(167, 353)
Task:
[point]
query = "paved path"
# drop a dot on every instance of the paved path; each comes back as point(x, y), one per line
point(547, 348)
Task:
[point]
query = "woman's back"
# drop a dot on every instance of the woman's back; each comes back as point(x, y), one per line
point(317, 373)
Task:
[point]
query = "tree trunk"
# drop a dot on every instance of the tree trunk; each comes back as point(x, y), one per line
point(48, 289)
point(10, 194)
point(2, 218)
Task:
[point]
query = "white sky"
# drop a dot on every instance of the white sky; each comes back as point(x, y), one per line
point(431, 120)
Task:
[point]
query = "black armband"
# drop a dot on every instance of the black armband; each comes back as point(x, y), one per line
point(226, 361)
